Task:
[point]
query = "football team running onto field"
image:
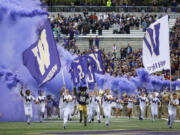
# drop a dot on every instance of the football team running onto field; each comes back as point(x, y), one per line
point(88, 104)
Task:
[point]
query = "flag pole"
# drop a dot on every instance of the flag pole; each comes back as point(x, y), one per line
point(170, 79)
point(63, 77)
point(72, 84)
point(170, 64)
point(87, 83)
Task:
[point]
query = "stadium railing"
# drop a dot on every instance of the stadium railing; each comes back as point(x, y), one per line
point(112, 9)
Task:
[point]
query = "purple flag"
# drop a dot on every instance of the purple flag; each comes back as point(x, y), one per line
point(85, 67)
point(97, 58)
point(41, 58)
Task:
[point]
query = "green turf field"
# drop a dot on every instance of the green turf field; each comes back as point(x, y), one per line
point(20, 128)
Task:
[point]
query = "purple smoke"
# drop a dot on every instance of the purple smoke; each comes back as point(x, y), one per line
point(19, 22)
point(16, 35)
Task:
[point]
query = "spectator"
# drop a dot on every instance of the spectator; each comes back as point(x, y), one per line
point(85, 12)
point(144, 24)
point(109, 3)
point(77, 34)
point(100, 30)
point(129, 49)
point(115, 28)
point(127, 28)
point(94, 18)
point(106, 25)
point(93, 29)
point(173, 4)
point(90, 43)
point(155, 4)
point(121, 28)
point(71, 33)
point(72, 44)
point(137, 22)
point(66, 42)
point(55, 32)
point(97, 42)
point(59, 31)
point(114, 50)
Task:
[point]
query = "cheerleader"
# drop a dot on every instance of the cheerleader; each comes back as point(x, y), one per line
point(119, 106)
point(130, 102)
point(41, 101)
point(67, 99)
point(173, 103)
point(95, 106)
point(28, 100)
point(90, 107)
point(143, 101)
point(107, 106)
point(61, 103)
point(154, 102)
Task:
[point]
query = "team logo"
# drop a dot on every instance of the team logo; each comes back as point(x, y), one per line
point(151, 39)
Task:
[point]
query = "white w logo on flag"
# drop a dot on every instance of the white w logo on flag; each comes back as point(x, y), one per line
point(153, 43)
point(42, 53)
point(156, 46)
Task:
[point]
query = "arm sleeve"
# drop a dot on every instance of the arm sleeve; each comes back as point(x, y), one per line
point(33, 98)
point(21, 93)
point(75, 91)
point(37, 99)
point(177, 102)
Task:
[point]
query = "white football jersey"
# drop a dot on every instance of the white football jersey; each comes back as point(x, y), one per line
point(41, 100)
point(130, 103)
point(143, 100)
point(171, 107)
point(28, 100)
point(118, 104)
point(154, 102)
point(65, 98)
point(106, 99)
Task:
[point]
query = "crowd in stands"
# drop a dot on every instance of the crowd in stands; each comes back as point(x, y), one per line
point(75, 25)
point(129, 59)
point(126, 64)
point(69, 29)
point(113, 2)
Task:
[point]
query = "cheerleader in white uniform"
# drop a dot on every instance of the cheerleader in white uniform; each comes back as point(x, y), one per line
point(130, 102)
point(96, 105)
point(72, 106)
point(119, 106)
point(143, 101)
point(61, 103)
point(67, 99)
point(173, 103)
point(28, 100)
point(107, 103)
point(154, 102)
point(41, 101)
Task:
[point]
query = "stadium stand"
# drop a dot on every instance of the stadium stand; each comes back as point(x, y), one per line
point(122, 52)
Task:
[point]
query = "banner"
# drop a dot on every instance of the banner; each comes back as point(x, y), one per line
point(89, 70)
point(76, 71)
point(96, 56)
point(85, 67)
point(41, 58)
point(156, 53)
